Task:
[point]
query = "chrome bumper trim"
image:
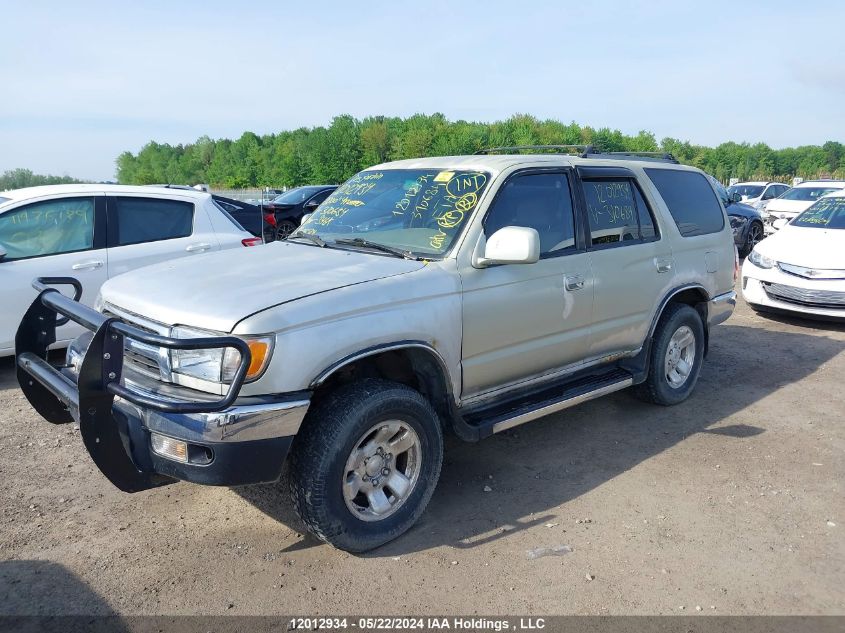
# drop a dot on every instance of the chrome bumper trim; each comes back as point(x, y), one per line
point(239, 423)
point(720, 307)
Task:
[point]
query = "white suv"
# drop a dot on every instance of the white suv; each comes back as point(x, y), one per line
point(95, 232)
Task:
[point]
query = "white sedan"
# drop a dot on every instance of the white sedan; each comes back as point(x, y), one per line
point(94, 232)
point(801, 268)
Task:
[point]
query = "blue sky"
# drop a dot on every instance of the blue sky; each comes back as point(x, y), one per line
point(83, 81)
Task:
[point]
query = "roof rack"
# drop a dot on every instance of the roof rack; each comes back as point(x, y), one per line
point(583, 151)
point(560, 149)
point(663, 157)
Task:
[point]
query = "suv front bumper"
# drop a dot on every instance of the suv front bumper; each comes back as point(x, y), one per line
point(145, 435)
point(244, 444)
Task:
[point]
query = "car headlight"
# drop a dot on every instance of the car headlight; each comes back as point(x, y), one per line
point(218, 364)
point(737, 222)
point(756, 258)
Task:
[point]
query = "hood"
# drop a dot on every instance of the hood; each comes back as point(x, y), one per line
point(787, 206)
point(809, 247)
point(745, 210)
point(216, 290)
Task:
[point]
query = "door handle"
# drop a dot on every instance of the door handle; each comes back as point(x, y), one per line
point(663, 264)
point(197, 248)
point(92, 265)
point(574, 282)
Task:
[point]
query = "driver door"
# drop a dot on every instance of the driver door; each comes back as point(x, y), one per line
point(525, 320)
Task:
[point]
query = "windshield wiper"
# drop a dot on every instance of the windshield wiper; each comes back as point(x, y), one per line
point(316, 239)
point(359, 241)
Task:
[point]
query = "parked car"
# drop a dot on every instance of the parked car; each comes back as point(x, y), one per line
point(758, 193)
point(801, 268)
point(95, 232)
point(798, 199)
point(285, 211)
point(465, 295)
point(248, 216)
point(746, 221)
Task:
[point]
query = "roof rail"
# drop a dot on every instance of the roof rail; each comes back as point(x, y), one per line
point(663, 157)
point(560, 149)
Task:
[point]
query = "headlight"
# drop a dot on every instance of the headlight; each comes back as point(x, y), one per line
point(737, 222)
point(219, 364)
point(760, 260)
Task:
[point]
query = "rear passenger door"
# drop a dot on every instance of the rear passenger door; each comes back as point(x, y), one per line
point(631, 262)
point(144, 230)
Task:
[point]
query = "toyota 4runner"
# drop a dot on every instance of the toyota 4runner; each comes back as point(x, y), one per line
point(463, 294)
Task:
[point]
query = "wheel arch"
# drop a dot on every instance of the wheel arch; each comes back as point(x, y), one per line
point(693, 295)
point(416, 364)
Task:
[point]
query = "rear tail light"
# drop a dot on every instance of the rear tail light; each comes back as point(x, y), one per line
point(252, 241)
point(270, 219)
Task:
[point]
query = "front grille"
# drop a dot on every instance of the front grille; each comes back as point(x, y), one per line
point(806, 297)
point(139, 356)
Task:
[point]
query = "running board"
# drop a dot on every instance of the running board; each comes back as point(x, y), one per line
point(499, 417)
point(560, 405)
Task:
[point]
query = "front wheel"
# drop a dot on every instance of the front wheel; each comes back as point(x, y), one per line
point(365, 464)
point(677, 351)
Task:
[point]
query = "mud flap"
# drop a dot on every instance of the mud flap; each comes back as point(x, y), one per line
point(108, 440)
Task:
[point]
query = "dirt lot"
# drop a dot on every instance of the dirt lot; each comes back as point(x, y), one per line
point(731, 502)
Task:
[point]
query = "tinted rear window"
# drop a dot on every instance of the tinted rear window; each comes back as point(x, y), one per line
point(691, 201)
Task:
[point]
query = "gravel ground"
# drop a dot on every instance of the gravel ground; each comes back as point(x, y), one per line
point(731, 503)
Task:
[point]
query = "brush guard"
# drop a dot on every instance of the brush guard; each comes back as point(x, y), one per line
point(88, 399)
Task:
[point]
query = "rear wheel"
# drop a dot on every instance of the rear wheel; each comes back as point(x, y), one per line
point(365, 464)
point(755, 235)
point(285, 228)
point(677, 351)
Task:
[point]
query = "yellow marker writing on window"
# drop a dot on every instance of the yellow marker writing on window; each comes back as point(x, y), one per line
point(444, 176)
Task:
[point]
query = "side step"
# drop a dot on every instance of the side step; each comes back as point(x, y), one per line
point(496, 419)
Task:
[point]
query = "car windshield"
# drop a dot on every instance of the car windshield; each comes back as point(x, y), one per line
point(746, 191)
point(296, 196)
point(421, 211)
point(805, 194)
point(827, 213)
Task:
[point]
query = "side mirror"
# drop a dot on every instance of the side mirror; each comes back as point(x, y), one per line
point(511, 245)
point(305, 218)
point(311, 205)
point(735, 197)
point(780, 223)
point(2, 253)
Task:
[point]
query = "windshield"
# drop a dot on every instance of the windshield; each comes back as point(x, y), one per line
point(296, 196)
point(417, 210)
point(746, 191)
point(808, 193)
point(827, 213)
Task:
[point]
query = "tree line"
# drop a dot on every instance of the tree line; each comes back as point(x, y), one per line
point(20, 178)
point(334, 153)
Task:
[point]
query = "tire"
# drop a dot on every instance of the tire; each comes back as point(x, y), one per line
point(324, 473)
point(755, 234)
point(663, 386)
point(285, 228)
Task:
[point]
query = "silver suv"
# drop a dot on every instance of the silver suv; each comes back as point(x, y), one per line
point(462, 295)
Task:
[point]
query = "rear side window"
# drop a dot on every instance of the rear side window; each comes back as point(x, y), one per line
point(690, 199)
point(141, 220)
point(616, 212)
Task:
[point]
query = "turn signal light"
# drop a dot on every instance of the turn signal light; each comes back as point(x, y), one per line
point(252, 241)
point(169, 448)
